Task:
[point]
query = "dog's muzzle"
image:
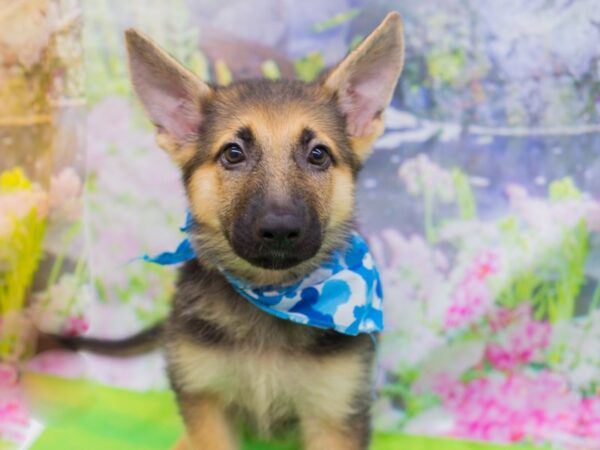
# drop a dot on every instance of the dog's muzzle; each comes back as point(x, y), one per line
point(276, 236)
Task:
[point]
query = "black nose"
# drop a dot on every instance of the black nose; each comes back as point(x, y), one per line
point(275, 229)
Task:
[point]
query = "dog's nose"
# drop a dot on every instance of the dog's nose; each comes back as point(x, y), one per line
point(276, 230)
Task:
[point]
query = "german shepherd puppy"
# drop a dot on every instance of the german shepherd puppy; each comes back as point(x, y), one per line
point(263, 163)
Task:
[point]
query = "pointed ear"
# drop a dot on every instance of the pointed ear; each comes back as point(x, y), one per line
point(364, 82)
point(171, 94)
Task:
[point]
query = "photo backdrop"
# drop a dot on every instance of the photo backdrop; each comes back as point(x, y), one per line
point(481, 201)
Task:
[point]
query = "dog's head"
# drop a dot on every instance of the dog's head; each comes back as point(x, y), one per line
point(270, 166)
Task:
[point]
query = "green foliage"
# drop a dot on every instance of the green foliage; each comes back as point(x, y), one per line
point(270, 70)
point(145, 280)
point(104, 56)
point(553, 283)
point(595, 298)
point(465, 199)
point(459, 190)
point(446, 66)
point(568, 268)
point(21, 245)
point(551, 280)
point(223, 75)
point(563, 189)
point(67, 239)
point(309, 67)
point(414, 404)
point(474, 373)
point(336, 20)
point(21, 257)
point(200, 65)
point(356, 40)
point(428, 221)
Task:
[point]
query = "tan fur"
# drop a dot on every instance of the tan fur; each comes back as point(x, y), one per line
point(318, 434)
point(210, 189)
point(342, 197)
point(206, 194)
point(180, 154)
point(271, 386)
point(363, 145)
point(207, 424)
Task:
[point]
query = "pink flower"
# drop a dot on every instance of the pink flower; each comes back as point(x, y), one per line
point(501, 318)
point(60, 363)
point(8, 375)
point(76, 325)
point(486, 264)
point(13, 411)
point(512, 407)
point(519, 339)
point(593, 216)
point(542, 214)
point(18, 204)
point(589, 420)
point(472, 298)
point(14, 417)
point(65, 193)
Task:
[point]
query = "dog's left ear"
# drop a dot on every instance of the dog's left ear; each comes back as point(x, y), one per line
point(364, 82)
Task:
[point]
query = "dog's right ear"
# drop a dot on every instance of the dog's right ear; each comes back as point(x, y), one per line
point(170, 93)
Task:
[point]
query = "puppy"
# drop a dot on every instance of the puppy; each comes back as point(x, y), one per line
point(265, 163)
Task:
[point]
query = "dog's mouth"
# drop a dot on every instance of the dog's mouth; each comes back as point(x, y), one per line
point(275, 258)
point(275, 261)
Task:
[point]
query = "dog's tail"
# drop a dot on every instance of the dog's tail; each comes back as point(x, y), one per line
point(142, 342)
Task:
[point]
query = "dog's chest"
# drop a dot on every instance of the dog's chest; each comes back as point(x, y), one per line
point(270, 386)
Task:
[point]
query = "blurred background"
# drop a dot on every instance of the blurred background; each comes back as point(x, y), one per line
point(481, 203)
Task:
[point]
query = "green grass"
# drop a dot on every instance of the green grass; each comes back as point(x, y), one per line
point(81, 415)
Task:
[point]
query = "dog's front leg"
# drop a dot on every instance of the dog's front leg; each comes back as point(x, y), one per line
point(325, 435)
point(334, 407)
point(207, 424)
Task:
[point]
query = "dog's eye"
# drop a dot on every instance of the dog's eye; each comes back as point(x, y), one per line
point(233, 154)
point(319, 156)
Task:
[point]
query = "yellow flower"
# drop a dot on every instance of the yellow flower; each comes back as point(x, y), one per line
point(14, 180)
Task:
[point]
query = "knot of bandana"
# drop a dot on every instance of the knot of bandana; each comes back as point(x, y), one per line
point(343, 294)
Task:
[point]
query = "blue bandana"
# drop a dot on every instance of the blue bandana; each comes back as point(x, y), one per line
point(344, 294)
